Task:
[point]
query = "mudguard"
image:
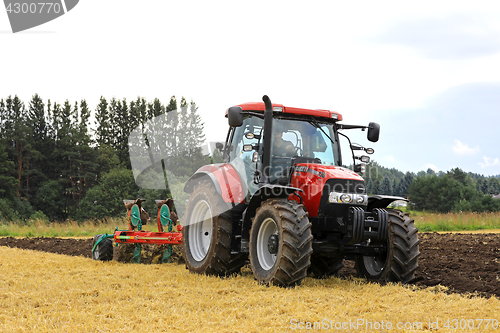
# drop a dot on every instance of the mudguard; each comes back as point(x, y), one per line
point(226, 181)
point(382, 201)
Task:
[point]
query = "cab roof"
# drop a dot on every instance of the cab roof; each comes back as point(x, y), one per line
point(259, 106)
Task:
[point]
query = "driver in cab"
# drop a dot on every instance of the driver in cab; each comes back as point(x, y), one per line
point(282, 147)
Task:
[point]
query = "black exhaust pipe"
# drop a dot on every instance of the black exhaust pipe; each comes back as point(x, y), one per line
point(268, 137)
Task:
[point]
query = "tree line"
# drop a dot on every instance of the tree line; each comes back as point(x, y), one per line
point(454, 190)
point(54, 165)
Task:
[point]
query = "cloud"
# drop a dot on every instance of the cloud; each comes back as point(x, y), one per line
point(454, 37)
point(463, 119)
point(462, 149)
point(432, 167)
point(489, 162)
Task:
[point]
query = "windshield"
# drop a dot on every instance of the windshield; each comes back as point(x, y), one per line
point(301, 140)
point(305, 138)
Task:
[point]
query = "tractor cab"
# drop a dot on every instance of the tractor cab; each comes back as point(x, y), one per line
point(295, 139)
point(300, 140)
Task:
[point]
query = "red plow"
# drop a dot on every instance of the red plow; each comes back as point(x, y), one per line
point(102, 248)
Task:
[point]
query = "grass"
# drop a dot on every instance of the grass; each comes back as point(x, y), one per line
point(467, 221)
point(43, 292)
point(44, 228)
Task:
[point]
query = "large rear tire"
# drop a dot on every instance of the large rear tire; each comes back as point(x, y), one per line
point(400, 261)
point(280, 243)
point(208, 233)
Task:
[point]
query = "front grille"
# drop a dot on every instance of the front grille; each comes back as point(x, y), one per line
point(327, 209)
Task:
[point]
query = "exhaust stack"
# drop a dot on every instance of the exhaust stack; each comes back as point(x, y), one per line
point(268, 137)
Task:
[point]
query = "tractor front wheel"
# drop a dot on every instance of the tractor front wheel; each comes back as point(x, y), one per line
point(207, 234)
point(400, 261)
point(280, 243)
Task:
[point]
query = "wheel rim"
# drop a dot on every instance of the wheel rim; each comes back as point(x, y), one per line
point(374, 265)
point(96, 253)
point(200, 230)
point(266, 230)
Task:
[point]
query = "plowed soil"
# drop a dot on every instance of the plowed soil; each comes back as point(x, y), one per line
point(465, 263)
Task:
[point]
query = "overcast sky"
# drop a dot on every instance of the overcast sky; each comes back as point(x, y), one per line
point(429, 72)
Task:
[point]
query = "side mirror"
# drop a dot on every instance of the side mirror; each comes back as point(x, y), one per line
point(235, 116)
point(219, 146)
point(373, 132)
point(364, 158)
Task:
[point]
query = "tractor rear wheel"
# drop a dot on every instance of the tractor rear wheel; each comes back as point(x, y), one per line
point(323, 267)
point(104, 250)
point(208, 233)
point(400, 261)
point(280, 243)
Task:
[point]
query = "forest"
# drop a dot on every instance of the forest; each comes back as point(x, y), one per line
point(451, 191)
point(61, 161)
point(56, 164)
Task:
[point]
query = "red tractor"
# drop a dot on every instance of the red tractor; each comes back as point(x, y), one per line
point(283, 200)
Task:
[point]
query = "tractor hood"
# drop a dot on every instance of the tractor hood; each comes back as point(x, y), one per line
point(312, 179)
point(320, 172)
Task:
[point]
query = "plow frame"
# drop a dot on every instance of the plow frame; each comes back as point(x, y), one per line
point(140, 236)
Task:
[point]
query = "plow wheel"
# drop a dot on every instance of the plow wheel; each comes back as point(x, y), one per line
point(400, 261)
point(280, 243)
point(323, 267)
point(103, 250)
point(207, 234)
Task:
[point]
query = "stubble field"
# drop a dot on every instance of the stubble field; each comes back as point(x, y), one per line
point(457, 284)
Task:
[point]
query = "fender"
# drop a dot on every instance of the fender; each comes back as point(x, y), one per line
point(225, 179)
point(381, 201)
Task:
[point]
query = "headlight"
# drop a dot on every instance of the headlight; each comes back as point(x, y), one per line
point(333, 197)
point(347, 198)
point(360, 199)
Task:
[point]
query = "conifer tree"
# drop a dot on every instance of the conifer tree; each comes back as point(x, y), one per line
point(493, 185)
point(385, 187)
point(85, 166)
point(21, 141)
point(7, 171)
point(41, 141)
point(103, 131)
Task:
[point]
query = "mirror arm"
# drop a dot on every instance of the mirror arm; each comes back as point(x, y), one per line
point(350, 144)
point(344, 126)
point(258, 115)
